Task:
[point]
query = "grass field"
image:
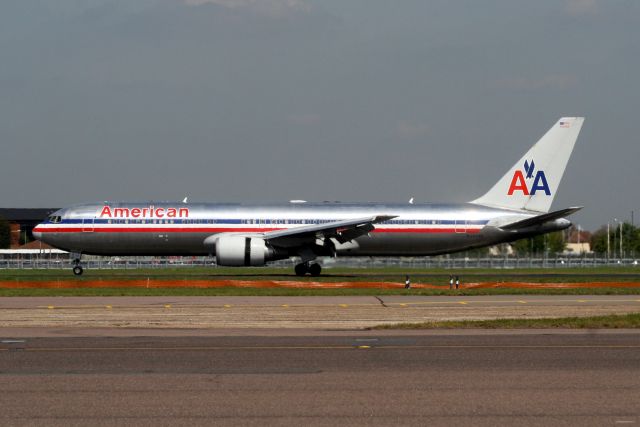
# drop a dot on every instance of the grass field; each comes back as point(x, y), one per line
point(249, 291)
point(438, 277)
point(627, 321)
point(432, 276)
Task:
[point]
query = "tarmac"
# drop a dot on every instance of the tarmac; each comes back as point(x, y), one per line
point(378, 378)
point(290, 361)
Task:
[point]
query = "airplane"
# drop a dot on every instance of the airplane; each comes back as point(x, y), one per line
point(516, 207)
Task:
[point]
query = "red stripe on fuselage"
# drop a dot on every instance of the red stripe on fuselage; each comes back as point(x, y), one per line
point(227, 230)
point(150, 230)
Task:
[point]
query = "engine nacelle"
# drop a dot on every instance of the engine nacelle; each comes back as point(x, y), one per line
point(235, 251)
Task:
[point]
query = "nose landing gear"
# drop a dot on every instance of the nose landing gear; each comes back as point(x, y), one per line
point(77, 268)
point(313, 269)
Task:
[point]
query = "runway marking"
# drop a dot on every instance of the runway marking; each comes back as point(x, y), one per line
point(388, 304)
point(108, 307)
point(364, 347)
point(79, 306)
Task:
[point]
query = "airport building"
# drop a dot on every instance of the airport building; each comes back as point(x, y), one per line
point(578, 242)
point(22, 222)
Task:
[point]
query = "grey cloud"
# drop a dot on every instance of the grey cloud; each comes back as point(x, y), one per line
point(412, 130)
point(581, 7)
point(556, 81)
point(304, 119)
point(113, 99)
point(268, 7)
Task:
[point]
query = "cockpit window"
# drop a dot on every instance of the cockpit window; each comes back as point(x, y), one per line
point(55, 219)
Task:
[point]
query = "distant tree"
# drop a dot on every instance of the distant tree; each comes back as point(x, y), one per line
point(554, 243)
point(599, 241)
point(5, 233)
point(528, 247)
point(630, 240)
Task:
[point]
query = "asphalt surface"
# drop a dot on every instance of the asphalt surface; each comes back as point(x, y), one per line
point(339, 312)
point(345, 378)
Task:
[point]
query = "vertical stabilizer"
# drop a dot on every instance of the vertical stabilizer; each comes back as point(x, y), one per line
point(531, 183)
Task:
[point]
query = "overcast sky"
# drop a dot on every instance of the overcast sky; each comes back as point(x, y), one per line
point(271, 100)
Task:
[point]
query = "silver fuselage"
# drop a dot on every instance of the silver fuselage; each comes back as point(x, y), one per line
point(147, 229)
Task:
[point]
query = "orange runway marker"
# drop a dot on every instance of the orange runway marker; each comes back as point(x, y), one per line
point(182, 283)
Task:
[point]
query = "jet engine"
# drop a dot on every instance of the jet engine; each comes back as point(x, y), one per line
point(234, 251)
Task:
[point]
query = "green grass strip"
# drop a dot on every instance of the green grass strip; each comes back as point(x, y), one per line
point(615, 321)
point(381, 274)
point(235, 291)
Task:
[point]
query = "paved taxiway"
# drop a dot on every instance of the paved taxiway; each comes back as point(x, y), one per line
point(349, 312)
point(357, 378)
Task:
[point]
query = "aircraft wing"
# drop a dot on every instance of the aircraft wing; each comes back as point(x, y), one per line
point(541, 219)
point(342, 231)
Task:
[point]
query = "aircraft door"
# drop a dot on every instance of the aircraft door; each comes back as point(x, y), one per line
point(461, 226)
point(87, 224)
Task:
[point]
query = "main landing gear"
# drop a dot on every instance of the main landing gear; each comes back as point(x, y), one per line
point(313, 269)
point(77, 268)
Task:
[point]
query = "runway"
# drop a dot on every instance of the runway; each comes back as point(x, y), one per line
point(345, 378)
point(307, 360)
point(348, 312)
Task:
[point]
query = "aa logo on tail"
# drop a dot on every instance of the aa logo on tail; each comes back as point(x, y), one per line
point(519, 181)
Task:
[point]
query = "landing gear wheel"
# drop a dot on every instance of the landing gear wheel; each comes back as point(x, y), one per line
point(301, 269)
point(77, 270)
point(315, 270)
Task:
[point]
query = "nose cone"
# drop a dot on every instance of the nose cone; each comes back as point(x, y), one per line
point(37, 234)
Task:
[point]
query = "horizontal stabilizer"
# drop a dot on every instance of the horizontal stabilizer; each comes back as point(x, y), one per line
point(541, 219)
